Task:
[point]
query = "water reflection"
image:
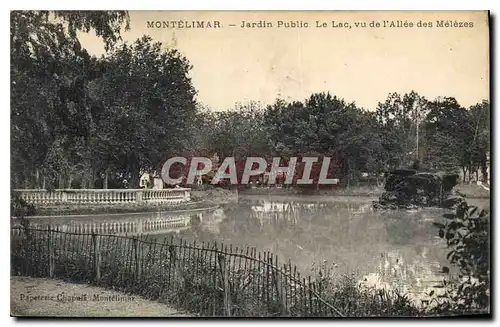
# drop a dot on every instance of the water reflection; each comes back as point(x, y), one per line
point(393, 249)
point(416, 277)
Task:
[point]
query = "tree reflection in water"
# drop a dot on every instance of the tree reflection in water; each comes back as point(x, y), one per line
point(395, 248)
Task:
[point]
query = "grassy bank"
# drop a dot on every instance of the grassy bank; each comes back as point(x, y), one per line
point(361, 191)
point(473, 191)
point(214, 195)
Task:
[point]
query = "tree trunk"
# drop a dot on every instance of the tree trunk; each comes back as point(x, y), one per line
point(15, 181)
point(134, 176)
point(91, 178)
point(105, 184)
point(484, 172)
point(37, 178)
point(60, 181)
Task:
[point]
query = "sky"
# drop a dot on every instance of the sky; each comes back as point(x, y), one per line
point(360, 64)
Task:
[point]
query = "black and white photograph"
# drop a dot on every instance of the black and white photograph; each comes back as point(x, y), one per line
point(250, 164)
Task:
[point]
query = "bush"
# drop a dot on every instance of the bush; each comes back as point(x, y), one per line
point(19, 208)
point(467, 235)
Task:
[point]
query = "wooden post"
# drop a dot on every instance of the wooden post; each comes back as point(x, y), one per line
point(179, 279)
point(137, 264)
point(225, 280)
point(97, 257)
point(279, 289)
point(50, 252)
point(309, 287)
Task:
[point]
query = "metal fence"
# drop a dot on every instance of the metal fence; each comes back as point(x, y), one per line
point(204, 279)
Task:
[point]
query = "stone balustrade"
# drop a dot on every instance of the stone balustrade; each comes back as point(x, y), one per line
point(107, 196)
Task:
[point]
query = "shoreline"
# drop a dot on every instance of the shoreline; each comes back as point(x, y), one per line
point(468, 190)
point(211, 198)
point(310, 198)
point(76, 211)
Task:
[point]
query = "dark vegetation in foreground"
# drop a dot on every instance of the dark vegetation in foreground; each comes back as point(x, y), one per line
point(219, 280)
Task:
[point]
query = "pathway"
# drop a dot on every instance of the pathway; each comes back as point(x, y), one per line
point(52, 298)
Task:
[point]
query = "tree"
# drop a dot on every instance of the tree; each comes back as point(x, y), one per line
point(48, 75)
point(448, 131)
point(478, 143)
point(327, 125)
point(239, 132)
point(144, 108)
point(399, 118)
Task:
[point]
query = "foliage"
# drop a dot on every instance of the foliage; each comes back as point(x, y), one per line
point(326, 125)
point(398, 117)
point(458, 138)
point(49, 73)
point(467, 234)
point(19, 208)
point(150, 121)
point(86, 119)
point(82, 121)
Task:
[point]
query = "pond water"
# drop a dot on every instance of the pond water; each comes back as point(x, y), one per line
point(395, 249)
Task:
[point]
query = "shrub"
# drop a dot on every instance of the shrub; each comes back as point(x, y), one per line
point(467, 236)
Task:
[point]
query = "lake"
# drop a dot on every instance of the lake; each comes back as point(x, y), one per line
point(395, 249)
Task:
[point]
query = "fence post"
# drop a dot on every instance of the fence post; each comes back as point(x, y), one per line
point(50, 252)
point(227, 290)
point(97, 257)
point(279, 289)
point(309, 285)
point(137, 265)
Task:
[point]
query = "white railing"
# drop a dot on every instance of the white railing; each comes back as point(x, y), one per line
point(99, 196)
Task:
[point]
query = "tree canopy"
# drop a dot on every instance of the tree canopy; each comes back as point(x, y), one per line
point(82, 121)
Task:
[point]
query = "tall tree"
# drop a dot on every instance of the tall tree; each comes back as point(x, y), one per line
point(400, 118)
point(48, 70)
point(447, 130)
point(327, 125)
point(145, 107)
